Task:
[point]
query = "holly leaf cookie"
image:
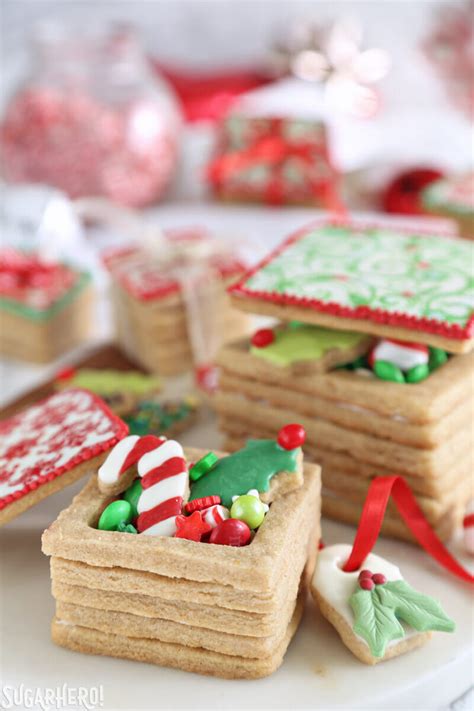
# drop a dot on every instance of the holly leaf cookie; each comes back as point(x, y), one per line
point(377, 614)
point(272, 467)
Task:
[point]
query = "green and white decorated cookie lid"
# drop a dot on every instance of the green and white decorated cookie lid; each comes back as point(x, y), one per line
point(371, 278)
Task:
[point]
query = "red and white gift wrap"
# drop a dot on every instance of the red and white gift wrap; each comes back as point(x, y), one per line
point(400, 353)
point(164, 474)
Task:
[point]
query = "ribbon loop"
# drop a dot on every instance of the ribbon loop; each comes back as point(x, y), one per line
point(380, 490)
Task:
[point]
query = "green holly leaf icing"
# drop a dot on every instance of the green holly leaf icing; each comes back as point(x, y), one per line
point(421, 612)
point(250, 468)
point(377, 614)
point(374, 622)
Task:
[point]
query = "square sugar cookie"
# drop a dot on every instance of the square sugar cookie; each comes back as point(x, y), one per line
point(374, 279)
point(52, 444)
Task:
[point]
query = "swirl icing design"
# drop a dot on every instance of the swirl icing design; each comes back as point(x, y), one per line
point(427, 277)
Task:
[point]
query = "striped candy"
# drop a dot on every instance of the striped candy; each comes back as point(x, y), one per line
point(164, 474)
point(215, 514)
point(126, 454)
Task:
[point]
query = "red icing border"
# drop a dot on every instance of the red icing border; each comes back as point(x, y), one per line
point(366, 313)
point(88, 453)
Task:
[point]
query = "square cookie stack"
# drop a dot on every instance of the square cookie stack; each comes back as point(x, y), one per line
point(164, 311)
point(45, 307)
point(213, 609)
point(342, 362)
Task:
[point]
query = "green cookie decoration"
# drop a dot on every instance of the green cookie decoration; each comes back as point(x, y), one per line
point(250, 468)
point(378, 613)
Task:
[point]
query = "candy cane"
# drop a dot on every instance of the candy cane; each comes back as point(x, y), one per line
point(403, 355)
point(164, 475)
point(124, 455)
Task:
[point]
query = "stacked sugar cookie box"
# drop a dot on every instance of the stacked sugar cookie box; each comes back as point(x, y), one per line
point(157, 308)
point(222, 610)
point(371, 355)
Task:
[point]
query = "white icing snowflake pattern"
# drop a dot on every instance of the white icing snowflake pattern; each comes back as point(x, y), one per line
point(52, 437)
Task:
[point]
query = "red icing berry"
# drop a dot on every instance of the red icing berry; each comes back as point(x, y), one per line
point(379, 579)
point(193, 527)
point(367, 584)
point(263, 337)
point(291, 436)
point(204, 503)
point(365, 574)
point(231, 532)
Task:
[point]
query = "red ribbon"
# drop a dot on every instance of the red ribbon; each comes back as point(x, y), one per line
point(208, 96)
point(372, 517)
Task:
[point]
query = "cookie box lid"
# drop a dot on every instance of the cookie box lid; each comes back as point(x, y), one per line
point(50, 445)
point(406, 284)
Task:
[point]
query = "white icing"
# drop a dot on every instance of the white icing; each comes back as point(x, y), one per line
point(110, 470)
point(162, 491)
point(167, 527)
point(49, 435)
point(336, 586)
point(404, 357)
point(157, 457)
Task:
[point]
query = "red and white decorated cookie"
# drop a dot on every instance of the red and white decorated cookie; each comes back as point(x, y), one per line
point(49, 441)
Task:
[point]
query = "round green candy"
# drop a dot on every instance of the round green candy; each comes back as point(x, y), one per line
point(132, 494)
point(437, 357)
point(417, 373)
point(203, 466)
point(385, 370)
point(116, 513)
point(248, 509)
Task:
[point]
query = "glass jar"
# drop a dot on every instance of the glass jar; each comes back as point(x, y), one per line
point(92, 120)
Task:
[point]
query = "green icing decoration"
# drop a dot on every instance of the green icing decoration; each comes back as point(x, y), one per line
point(250, 468)
point(399, 273)
point(378, 611)
point(109, 381)
point(39, 314)
point(302, 342)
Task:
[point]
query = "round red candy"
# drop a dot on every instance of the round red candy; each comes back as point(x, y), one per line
point(366, 584)
point(263, 338)
point(365, 574)
point(230, 532)
point(379, 578)
point(291, 436)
